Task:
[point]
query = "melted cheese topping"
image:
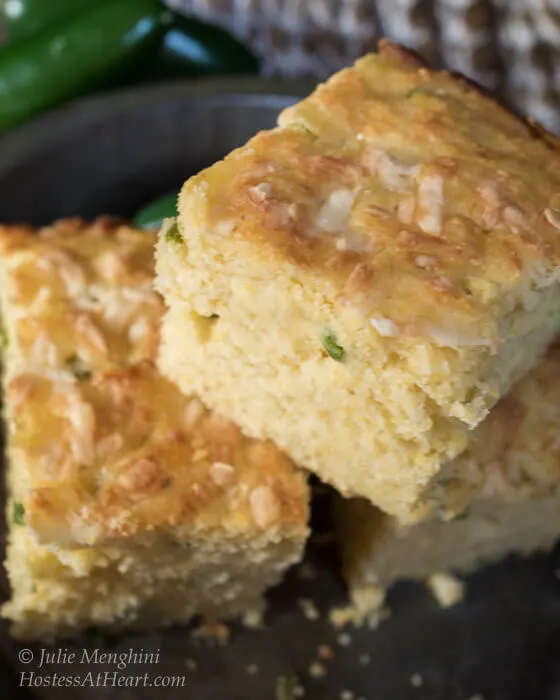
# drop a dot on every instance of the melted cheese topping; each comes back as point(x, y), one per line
point(103, 446)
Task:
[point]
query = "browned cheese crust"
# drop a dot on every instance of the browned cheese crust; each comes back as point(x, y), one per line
point(103, 447)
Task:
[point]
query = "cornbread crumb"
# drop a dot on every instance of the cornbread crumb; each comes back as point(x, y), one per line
point(341, 616)
point(364, 659)
point(446, 589)
point(253, 619)
point(325, 652)
point(347, 695)
point(368, 603)
point(344, 639)
point(367, 606)
point(213, 631)
point(309, 609)
point(317, 670)
point(252, 669)
point(416, 680)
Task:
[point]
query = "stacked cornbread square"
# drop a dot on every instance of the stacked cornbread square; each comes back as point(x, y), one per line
point(129, 503)
point(501, 495)
point(364, 282)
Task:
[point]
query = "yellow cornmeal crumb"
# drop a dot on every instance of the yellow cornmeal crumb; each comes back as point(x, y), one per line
point(317, 670)
point(368, 601)
point(363, 283)
point(309, 609)
point(325, 652)
point(448, 590)
point(501, 495)
point(253, 619)
point(131, 505)
point(367, 607)
point(339, 617)
point(213, 631)
point(344, 639)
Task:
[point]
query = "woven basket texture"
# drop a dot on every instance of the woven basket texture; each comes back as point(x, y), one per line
point(509, 46)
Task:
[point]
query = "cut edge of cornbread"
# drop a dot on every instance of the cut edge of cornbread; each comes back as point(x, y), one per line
point(213, 573)
point(319, 411)
point(500, 496)
point(376, 552)
point(63, 593)
point(375, 272)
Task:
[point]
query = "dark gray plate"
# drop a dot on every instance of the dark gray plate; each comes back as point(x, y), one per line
point(111, 154)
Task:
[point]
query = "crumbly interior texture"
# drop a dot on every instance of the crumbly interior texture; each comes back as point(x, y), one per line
point(377, 552)
point(130, 503)
point(502, 495)
point(59, 593)
point(364, 282)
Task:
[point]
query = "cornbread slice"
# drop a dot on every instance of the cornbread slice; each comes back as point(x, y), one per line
point(362, 283)
point(502, 495)
point(130, 504)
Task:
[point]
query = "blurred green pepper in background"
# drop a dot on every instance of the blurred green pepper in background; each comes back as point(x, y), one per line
point(65, 48)
point(24, 17)
point(191, 48)
point(152, 215)
point(84, 51)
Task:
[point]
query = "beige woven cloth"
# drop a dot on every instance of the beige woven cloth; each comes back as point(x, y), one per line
point(510, 46)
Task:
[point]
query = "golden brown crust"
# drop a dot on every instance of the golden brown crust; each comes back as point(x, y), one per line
point(106, 446)
point(79, 293)
point(449, 200)
point(399, 54)
point(149, 467)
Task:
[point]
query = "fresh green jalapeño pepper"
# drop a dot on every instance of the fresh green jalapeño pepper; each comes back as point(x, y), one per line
point(151, 216)
point(84, 51)
point(24, 17)
point(191, 47)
